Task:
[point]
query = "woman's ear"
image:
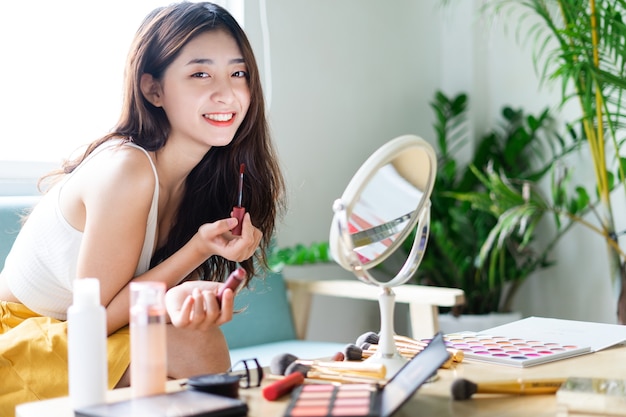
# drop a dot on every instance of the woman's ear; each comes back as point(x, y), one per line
point(151, 89)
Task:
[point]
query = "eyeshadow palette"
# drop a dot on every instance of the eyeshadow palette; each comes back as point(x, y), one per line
point(369, 400)
point(335, 400)
point(511, 351)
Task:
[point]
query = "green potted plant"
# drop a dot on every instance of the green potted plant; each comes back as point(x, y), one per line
point(580, 44)
point(458, 232)
point(517, 147)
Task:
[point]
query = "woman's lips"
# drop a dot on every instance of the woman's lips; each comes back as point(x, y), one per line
point(220, 119)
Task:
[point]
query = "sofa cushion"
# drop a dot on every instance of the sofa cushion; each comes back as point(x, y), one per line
point(264, 316)
point(12, 208)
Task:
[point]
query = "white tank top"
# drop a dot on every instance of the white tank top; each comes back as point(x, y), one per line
point(42, 263)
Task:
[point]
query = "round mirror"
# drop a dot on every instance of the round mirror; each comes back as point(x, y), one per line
point(385, 202)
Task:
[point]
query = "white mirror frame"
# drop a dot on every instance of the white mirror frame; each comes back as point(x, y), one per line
point(340, 242)
point(342, 246)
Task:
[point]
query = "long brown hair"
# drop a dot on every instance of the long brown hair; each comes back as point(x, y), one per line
point(211, 187)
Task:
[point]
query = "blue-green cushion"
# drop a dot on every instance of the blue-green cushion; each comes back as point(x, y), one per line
point(11, 210)
point(265, 328)
point(266, 315)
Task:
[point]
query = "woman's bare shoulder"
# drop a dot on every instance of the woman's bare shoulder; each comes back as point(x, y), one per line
point(122, 167)
point(112, 178)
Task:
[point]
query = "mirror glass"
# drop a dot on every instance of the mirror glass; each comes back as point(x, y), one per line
point(383, 203)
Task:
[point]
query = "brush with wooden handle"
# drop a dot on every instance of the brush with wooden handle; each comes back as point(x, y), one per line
point(463, 389)
point(406, 343)
point(281, 363)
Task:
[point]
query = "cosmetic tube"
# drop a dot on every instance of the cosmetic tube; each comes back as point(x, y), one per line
point(87, 345)
point(148, 350)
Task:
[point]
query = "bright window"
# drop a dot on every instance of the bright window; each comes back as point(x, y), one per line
point(61, 72)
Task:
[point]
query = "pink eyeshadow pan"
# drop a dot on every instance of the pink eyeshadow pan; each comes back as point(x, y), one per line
point(318, 387)
point(352, 401)
point(350, 411)
point(309, 411)
point(315, 395)
point(311, 403)
point(352, 394)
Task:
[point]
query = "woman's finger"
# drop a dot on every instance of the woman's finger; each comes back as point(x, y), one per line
point(198, 313)
point(180, 318)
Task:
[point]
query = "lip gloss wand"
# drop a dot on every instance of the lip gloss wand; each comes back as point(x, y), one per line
point(239, 211)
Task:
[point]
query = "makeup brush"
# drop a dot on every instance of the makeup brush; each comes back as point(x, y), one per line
point(369, 350)
point(406, 352)
point(355, 353)
point(404, 342)
point(462, 389)
point(373, 338)
point(239, 211)
point(412, 350)
point(325, 375)
point(280, 365)
point(368, 337)
point(352, 352)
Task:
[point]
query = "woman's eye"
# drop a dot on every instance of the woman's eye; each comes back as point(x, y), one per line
point(240, 74)
point(200, 75)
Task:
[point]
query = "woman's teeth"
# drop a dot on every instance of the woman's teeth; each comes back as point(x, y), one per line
point(222, 117)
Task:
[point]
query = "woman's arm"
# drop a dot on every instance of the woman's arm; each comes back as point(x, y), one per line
point(112, 195)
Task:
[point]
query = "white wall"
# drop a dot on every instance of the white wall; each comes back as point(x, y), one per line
point(349, 75)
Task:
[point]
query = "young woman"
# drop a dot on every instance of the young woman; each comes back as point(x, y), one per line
point(151, 201)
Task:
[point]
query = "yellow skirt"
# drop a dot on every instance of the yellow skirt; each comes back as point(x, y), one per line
point(33, 357)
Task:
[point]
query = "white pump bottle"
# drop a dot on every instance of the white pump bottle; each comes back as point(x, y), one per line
point(86, 345)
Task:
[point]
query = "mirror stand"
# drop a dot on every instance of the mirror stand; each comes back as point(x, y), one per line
point(387, 352)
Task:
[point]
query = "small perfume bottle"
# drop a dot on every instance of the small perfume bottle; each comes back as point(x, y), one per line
point(148, 350)
point(87, 345)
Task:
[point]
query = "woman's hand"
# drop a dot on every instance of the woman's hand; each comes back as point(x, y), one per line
point(216, 239)
point(193, 305)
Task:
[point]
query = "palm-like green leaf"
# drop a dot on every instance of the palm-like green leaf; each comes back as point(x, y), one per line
point(464, 211)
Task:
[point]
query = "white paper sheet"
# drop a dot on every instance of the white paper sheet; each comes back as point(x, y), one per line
point(597, 336)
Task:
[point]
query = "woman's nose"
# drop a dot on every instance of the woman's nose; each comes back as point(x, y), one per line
point(223, 91)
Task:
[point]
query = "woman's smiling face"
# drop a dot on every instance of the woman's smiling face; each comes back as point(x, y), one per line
point(204, 91)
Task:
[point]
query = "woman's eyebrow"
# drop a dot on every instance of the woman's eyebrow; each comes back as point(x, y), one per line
point(209, 61)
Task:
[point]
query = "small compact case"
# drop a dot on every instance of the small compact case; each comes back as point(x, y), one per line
point(369, 400)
